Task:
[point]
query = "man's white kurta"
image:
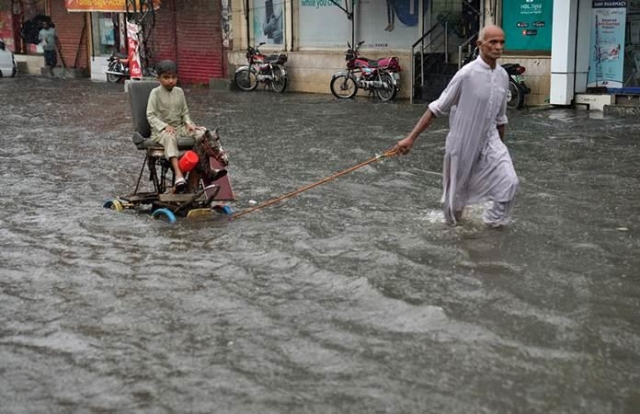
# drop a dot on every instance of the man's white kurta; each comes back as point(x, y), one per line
point(477, 165)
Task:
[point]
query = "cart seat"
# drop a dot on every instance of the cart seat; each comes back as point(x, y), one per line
point(138, 97)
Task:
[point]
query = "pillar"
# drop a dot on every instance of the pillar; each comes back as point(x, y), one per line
point(571, 37)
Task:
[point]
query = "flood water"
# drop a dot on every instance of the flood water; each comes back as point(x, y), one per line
point(353, 297)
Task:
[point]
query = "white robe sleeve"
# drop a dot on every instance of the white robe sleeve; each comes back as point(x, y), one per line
point(449, 97)
point(501, 118)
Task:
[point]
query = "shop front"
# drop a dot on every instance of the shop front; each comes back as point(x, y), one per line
point(19, 25)
point(315, 33)
point(189, 33)
point(596, 52)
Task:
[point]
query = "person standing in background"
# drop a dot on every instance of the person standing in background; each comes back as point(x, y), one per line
point(49, 40)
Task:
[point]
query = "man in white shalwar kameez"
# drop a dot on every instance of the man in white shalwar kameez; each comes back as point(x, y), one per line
point(477, 165)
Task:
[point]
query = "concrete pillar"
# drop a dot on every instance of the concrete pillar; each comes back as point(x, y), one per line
point(563, 51)
point(571, 38)
point(583, 47)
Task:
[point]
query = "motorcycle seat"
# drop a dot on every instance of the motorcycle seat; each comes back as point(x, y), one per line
point(138, 97)
point(120, 55)
point(511, 68)
point(371, 63)
point(275, 58)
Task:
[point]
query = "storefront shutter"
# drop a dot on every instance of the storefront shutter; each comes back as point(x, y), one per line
point(73, 35)
point(199, 37)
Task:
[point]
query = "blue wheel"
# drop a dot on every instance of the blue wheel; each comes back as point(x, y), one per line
point(114, 204)
point(164, 213)
point(223, 209)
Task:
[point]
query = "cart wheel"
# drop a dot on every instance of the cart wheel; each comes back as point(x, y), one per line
point(114, 204)
point(223, 209)
point(163, 212)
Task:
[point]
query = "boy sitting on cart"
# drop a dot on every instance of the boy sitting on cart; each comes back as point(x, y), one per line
point(168, 116)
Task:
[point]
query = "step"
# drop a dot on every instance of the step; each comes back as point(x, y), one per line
point(627, 100)
point(622, 110)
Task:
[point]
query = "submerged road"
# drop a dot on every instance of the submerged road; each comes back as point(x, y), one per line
point(353, 297)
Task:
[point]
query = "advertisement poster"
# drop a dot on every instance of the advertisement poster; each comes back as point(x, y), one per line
point(607, 44)
point(527, 25)
point(316, 16)
point(227, 32)
point(380, 23)
point(135, 68)
point(268, 21)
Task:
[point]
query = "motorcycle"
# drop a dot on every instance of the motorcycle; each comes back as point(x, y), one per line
point(118, 68)
point(262, 69)
point(381, 76)
point(517, 88)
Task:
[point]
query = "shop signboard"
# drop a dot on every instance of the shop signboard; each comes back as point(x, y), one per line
point(527, 25)
point(607, 44)
point(114, 6)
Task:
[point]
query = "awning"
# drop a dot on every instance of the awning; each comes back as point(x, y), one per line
point(114, 6)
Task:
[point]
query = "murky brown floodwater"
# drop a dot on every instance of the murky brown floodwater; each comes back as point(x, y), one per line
point(353, 297)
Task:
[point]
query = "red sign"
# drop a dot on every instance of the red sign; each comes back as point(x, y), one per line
point(135, 69)
point(116, 6)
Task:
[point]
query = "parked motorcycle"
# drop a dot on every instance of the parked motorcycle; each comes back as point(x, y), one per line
point(381, 76)
point(262, 69)
point(118, 68)
point(517, 88)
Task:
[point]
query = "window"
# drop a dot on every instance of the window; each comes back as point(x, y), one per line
point(106, 38)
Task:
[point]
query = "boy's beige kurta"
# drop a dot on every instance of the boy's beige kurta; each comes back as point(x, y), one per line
point(168, 108)
point(477, 165)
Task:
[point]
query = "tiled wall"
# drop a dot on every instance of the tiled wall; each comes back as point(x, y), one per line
point(537, 77)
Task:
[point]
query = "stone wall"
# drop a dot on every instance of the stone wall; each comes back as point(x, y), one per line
point(311, 71)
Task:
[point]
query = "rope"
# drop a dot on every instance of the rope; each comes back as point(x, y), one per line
point(388, 153)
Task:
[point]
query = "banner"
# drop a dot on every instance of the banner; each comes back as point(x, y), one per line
point(268, 21)
point(115, 6)
point(135, 69)
point(380, 23)
point(608, 25)
point(527, 25)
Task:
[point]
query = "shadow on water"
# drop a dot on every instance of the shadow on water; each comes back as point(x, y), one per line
point(351, 297)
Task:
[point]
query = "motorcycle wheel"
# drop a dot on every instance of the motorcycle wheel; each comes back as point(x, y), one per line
point(279, 82)
point(388, 93)
point(246, 80)
point(515, 96)
point(343, 87)
point(113, 78)
point(151, 71)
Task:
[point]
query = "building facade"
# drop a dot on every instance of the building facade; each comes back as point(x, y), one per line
point(90, 31)
point(569, 48)
point(555, 40)
point(315, 34)
point(596, 52)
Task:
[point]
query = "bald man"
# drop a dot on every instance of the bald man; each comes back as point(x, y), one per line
point(477, 165)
